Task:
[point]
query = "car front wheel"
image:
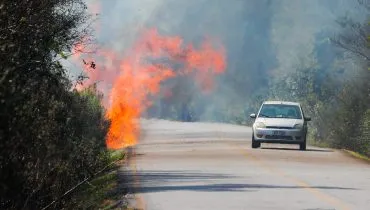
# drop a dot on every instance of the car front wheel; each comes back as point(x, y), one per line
point(255, 144)
point(302, 146)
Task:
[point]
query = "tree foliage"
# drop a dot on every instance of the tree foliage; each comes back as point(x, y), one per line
point(51, 137)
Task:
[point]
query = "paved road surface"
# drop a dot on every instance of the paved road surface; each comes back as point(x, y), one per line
point(189, 166)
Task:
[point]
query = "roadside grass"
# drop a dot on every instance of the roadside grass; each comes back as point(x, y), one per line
point(102, 191)
point(357, 155)
point(349, 152)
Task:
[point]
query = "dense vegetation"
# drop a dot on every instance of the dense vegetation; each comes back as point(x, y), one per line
point(52, 136)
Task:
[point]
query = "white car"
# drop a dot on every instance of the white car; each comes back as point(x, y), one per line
point(280, 122)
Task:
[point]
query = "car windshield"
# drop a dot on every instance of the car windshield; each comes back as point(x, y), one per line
point(280, 111)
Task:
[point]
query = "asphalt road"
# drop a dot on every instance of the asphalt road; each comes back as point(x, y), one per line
point(189, 166)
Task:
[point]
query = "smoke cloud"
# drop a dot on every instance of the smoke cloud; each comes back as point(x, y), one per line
point(262, 39)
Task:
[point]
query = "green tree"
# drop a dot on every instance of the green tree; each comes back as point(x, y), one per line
point(51, 137)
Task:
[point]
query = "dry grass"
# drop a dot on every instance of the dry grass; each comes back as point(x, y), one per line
point(102, 192)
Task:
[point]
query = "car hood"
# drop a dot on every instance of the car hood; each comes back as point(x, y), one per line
point(281, 122)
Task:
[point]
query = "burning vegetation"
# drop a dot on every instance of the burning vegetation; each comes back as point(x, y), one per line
point(132, 79)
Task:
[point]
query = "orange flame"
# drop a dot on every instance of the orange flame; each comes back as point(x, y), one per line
point(138, 76)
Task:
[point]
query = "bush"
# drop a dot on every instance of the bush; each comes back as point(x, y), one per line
point(51, 137)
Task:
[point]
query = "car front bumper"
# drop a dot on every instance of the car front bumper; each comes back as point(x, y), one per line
point(268, 135)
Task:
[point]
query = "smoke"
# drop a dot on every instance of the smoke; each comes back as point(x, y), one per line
point(296, 25)
point(263, 39)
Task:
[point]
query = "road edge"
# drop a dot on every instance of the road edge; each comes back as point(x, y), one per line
point(356, 155)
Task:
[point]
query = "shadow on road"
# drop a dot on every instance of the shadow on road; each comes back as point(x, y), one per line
point(295, 149)
point(162, 181)
point(225, 188)
point(150, 177)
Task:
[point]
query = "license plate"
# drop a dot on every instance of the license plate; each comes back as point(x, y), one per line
point(278, 133)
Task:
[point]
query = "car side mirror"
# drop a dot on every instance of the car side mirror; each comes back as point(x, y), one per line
point(307, 118)
point(252, 116)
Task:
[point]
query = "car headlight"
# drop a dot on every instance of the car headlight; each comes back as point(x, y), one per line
point(298, 126)
point(260, 125)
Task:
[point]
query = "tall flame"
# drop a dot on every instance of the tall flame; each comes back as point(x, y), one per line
point(139, 75)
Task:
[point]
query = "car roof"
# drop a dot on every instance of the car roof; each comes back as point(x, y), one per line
point(282, 102)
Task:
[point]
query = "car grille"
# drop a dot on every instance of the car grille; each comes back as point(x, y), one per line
point(279, 137)
point(279, 127)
